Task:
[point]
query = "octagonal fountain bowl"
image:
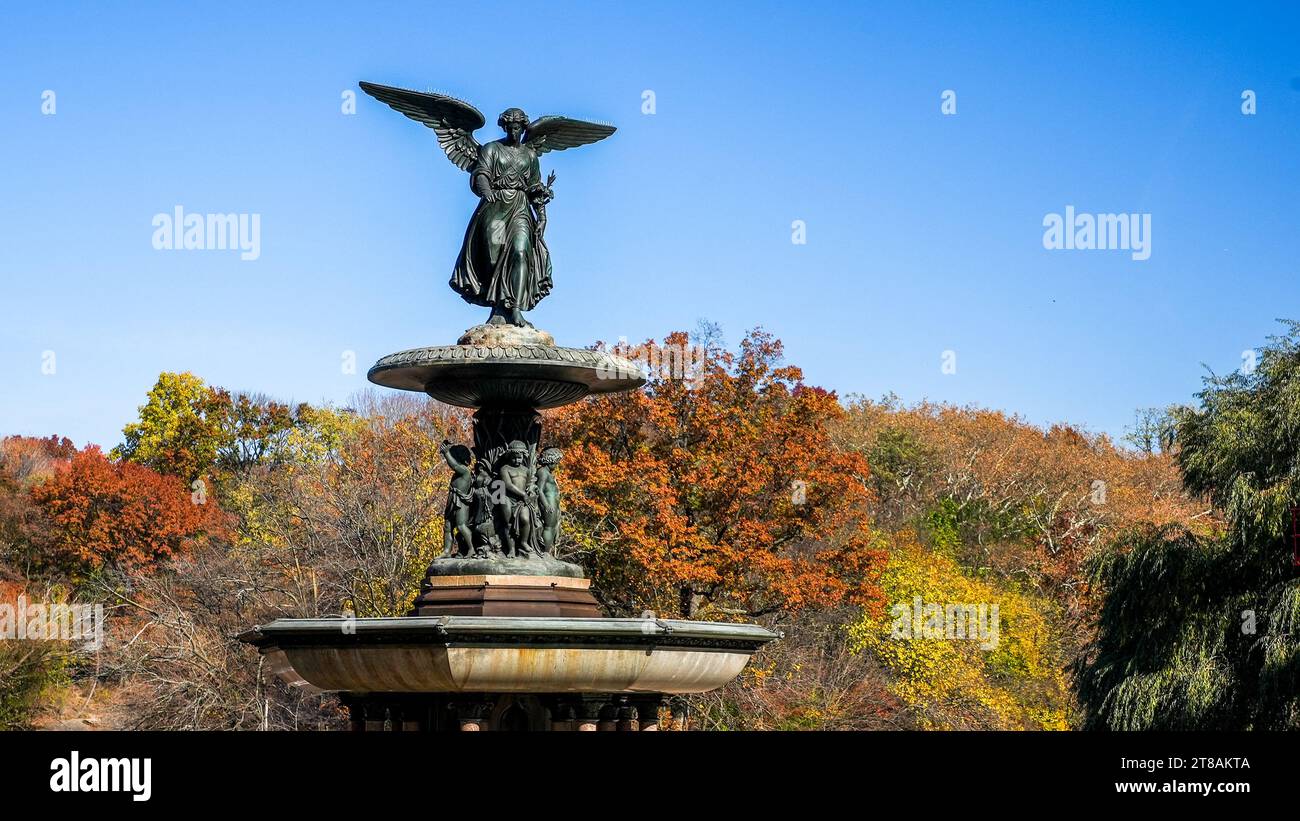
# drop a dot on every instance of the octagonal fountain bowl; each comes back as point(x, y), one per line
point(507, 654)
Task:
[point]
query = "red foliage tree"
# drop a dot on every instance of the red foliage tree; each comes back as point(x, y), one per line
point(118, 513)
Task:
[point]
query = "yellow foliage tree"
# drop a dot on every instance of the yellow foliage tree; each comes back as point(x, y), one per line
point(1013, 682)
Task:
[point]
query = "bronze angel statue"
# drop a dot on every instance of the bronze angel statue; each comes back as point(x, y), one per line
point(503, 262)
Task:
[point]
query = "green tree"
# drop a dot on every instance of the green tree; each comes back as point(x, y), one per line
point(1202, 632)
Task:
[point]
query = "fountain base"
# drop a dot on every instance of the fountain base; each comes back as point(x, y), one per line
point(506, 595)
point(473, 665)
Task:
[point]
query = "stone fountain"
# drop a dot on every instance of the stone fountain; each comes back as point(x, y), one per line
point(504, 634)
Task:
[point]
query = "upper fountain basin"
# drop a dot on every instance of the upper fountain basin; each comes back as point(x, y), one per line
point(517, 375)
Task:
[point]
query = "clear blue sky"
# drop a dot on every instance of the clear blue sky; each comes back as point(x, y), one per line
point(924, 231)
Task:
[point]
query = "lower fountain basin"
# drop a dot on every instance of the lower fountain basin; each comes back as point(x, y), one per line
point(469, 654)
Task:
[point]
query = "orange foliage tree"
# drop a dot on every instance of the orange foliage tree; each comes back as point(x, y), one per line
point(118, 513)
point(719, 494)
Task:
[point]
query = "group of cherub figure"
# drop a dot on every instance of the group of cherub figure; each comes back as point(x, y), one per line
point(513, 510)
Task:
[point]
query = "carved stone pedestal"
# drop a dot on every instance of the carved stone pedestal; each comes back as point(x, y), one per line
point(497, 595)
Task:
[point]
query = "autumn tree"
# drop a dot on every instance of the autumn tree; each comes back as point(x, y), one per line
point(255, 429)
point(180, 430)
point(25, 461)
point(352, 514)
point(718, 495)
point(345, 518)
point(189, 429)
point(999, 494)
point(118, 513)
point(1015, 681)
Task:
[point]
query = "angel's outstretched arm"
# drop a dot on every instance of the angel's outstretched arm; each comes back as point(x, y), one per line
point(481, 184)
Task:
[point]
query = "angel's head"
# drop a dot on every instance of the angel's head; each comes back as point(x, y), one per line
point(513, 121)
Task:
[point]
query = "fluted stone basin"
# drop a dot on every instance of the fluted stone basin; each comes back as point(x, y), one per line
point(536, 376)
point(466, 654)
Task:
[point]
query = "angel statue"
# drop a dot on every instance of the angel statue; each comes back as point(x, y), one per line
point(503, 262)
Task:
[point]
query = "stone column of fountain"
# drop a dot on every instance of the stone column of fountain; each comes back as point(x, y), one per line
point(504, 635)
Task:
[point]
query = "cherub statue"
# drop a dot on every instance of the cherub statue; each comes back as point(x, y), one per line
point(515, 501)
point(455, 529)
point(548, 497)
point(486, 540)
point(504, 263)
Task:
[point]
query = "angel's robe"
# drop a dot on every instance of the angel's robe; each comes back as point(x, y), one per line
point(503, 263)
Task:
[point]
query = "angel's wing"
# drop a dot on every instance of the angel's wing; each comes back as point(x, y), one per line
point(552, 133)
point(454, 121)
